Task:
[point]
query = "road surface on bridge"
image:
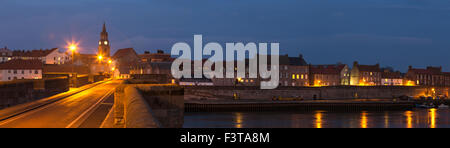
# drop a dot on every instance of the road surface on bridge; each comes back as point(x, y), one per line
point(86, 109)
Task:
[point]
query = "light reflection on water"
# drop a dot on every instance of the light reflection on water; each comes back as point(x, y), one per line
point(418, 118)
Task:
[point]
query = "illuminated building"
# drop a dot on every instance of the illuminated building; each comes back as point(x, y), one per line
point(329, 75)
point(389, 78)
point(431, 76)
point(365, 75)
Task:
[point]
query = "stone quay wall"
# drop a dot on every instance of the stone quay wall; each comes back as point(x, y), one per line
point(332, 92)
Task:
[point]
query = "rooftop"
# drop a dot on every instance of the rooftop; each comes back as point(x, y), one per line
point(22, 64)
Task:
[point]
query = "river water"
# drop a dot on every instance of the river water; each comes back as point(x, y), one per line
point(417, 118)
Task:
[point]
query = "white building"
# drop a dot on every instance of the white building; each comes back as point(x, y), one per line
point(17, 69)
point(391, 78)
point(47, 56)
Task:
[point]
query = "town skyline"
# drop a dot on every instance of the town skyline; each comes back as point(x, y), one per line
point(401, 42)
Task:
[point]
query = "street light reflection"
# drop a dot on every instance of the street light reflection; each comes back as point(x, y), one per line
point(318, 117)
point(364, 119)
point(238, 120)
point(408, 115)
point(432, 115)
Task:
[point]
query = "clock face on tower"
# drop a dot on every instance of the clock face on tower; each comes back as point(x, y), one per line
point(100, 42)
point(106, 42)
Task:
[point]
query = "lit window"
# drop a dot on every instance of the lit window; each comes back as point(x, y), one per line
point(303, 76)
point(298, 76)
point(293, 76)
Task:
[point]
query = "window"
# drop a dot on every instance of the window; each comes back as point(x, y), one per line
point(36, 72)
point(15, 71)
point(31, 71)
point(298, 76)
point(23, 72)
point(303, 76)
point(293, 76)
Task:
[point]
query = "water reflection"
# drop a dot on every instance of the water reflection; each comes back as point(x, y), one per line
point(432, 116)
point(238, 120)
point(417, 118)
point(364, 121)
point(318, 117)
point(409, 119)
point(386, 120)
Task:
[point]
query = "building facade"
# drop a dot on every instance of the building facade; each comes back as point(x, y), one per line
point(447, 78)
point(5, 54)
point(18, 69)
point(431, 76)
point(389, 78)
point(47, 56)
point(365, 75)
point(159, 56)
point(329, 75)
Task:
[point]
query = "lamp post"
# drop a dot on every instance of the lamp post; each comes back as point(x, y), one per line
point(72, 49)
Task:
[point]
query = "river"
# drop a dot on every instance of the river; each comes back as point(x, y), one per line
point(417, 118)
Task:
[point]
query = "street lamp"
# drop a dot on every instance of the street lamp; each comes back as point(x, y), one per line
point(100, 58)
point(73, 48)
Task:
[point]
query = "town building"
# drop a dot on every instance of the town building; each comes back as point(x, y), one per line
point(5, 54)
point(389, 78)
point(125, 59)
point(447, 78)
point(365, 75)
point(431, 76)
point(152, 68)
point(18, 69)
point(294, 71)
point(329, 75)
point(47, 56)
point(159, 56)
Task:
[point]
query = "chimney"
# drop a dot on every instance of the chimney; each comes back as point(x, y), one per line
point(355, 63)
point(146, 52)
point(409, 67)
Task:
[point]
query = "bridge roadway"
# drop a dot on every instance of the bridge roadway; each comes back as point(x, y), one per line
point(86, 109)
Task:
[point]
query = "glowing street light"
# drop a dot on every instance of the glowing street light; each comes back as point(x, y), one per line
point(109, 61)
point(73, 48)
point(100, 57)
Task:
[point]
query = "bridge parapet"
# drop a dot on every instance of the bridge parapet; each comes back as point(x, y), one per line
point(149, 106)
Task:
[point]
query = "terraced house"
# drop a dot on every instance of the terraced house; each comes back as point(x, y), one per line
point(18, 69)
point(431, 76)
point(365, 75)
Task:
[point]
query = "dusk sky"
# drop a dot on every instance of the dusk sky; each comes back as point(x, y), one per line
point(393, 33)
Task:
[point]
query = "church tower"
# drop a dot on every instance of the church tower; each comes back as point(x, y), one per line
point(104, 47)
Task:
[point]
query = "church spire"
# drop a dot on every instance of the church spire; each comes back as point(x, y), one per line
point(104, 27)
point(103, 44)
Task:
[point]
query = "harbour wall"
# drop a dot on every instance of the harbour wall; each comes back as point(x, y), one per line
point(331, 92)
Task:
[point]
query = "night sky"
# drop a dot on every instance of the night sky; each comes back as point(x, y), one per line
point(393, 33)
